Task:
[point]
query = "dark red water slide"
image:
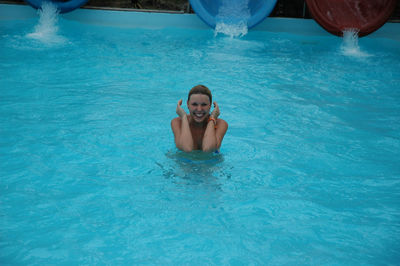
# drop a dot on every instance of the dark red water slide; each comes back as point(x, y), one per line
point(337, 15)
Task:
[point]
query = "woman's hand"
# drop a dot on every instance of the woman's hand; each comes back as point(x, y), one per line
point(179, 109)
point(215, 113)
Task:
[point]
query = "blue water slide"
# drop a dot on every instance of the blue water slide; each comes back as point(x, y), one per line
point(63, 7)
point(208, 10)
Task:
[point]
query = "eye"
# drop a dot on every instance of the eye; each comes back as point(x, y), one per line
point(203, 104)
point(194, 104)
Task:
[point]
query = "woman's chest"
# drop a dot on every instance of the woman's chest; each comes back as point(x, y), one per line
point(197, 135)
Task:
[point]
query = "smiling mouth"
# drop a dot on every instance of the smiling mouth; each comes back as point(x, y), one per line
point(199, 115)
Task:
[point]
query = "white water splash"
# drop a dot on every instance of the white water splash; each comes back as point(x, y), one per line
point(46, 31)
point(232, 18)
point(350, 45)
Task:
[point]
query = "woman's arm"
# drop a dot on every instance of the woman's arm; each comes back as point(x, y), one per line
point(215, 131)
point(180, 128)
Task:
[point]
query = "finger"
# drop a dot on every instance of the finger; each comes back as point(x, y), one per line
point(180, 102)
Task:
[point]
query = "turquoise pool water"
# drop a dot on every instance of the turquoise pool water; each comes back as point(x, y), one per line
point(308, 172)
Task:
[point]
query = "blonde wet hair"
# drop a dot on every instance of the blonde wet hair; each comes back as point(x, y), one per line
point(200, 89)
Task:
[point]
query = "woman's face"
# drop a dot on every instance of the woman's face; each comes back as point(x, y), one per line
point(199, 107)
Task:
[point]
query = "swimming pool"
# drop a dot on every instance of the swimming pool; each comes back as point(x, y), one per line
point(308, 171)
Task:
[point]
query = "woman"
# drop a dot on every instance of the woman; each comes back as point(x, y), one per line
point(198, 130)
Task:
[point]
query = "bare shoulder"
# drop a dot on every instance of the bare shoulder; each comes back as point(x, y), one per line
point(175, 120)
point(222, 127)
point(222, 123)
point(175, 123)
